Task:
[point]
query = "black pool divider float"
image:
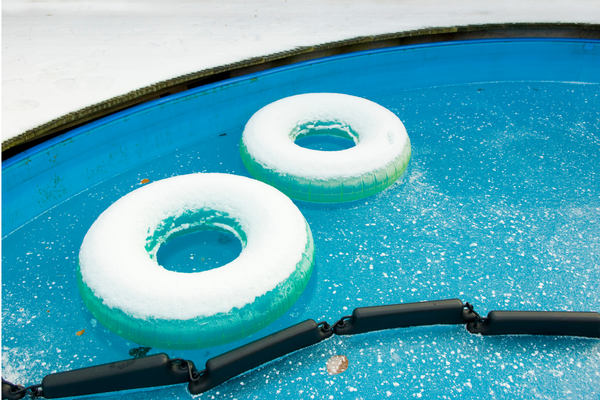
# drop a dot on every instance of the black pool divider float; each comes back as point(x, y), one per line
point(159, 370)
point(559, 323)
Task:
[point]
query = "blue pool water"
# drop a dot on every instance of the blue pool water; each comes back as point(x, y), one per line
point(499, 206)
point(325, 143)
point(199, 251)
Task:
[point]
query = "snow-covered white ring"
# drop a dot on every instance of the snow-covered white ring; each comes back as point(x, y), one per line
point(127, 290)
point(380, 156)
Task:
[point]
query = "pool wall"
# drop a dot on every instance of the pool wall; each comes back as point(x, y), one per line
point(44, 176)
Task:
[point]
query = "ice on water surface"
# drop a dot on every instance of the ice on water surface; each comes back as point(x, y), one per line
point(499, 207)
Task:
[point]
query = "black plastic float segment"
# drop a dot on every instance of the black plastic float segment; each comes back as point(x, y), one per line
point(566, 323)
point(367, 319)
point(155, 370)
point(226, 366)
point(7, 392)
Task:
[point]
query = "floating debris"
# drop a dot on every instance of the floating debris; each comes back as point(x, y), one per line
point(337, 364)
point(79, 333)
point(139, 351)
point(144, 181)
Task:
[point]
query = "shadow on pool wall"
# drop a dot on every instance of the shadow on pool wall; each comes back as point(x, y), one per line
point(42, 177)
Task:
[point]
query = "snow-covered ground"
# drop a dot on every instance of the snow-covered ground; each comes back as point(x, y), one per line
point(61, 56)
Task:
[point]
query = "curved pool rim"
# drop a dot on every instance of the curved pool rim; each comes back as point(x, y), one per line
point(72, 120)
point(44, 176)
point(46, 157)
point(51, 142)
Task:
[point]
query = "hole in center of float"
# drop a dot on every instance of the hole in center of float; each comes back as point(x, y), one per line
point(325, 136)
point(199, 251)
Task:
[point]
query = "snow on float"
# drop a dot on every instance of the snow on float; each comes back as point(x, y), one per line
point(126, 289)
point(380, 156)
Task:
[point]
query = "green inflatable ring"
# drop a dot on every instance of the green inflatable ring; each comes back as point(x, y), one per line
point(127, 291)
point(380, 155)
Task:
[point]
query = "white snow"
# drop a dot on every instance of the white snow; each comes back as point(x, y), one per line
point(61, 56)
point(118, 268)
point(380, 136)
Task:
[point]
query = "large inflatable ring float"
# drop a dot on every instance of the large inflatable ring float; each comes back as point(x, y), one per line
point(380, 155)
point(126, 289)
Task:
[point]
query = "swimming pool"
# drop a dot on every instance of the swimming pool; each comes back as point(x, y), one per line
point(499, 206)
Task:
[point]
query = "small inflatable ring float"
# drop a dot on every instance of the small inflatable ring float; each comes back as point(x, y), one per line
point(126, 289)
point(380, 156)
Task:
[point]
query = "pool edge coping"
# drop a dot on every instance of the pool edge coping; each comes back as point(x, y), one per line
point(56, 127)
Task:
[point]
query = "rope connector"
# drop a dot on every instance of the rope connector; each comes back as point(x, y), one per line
point(11, 391)
point(479, 319)
point(324, 326)
point(184, 365)
point(341, 322)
